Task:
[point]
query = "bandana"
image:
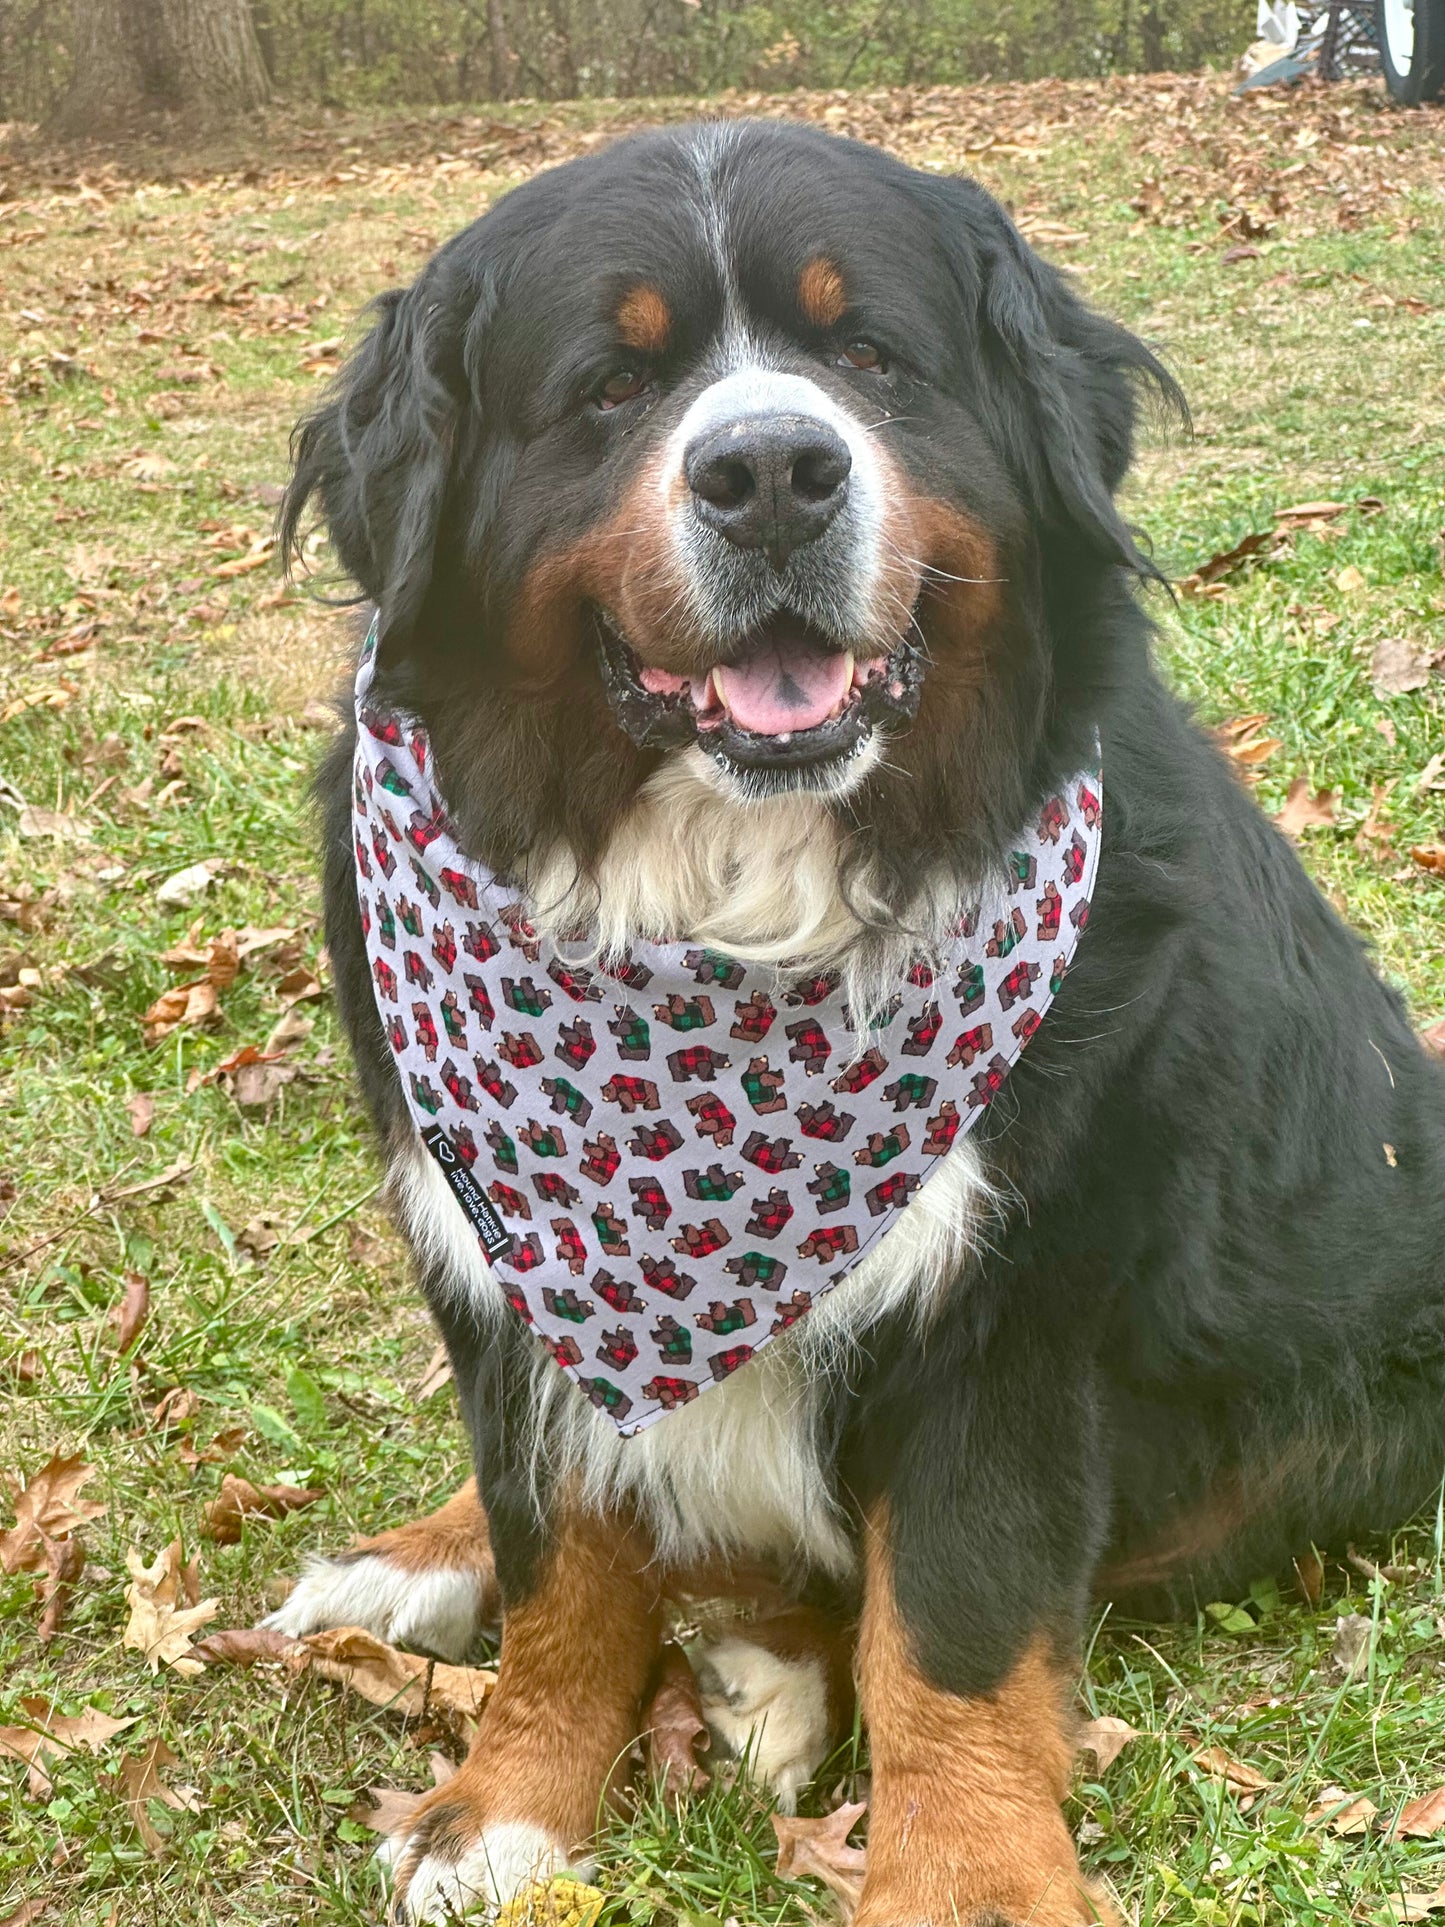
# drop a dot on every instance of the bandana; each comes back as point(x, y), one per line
point(669, 1156)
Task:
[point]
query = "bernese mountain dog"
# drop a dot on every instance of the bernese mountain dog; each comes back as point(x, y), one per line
point(738, 510)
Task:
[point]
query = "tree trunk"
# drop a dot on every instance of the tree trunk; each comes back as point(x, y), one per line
point(501, 53)
point(134, 59)
point(1151, 38)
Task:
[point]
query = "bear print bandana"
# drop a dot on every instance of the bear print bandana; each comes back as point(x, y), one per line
point(668, 1157)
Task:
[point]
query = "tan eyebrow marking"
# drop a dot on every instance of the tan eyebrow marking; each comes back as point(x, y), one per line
point(821, 294)
point(644, 319)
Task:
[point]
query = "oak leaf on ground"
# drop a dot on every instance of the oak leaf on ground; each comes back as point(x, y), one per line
point(1244, 1781)
point(64, 1563)
point(239, 1500)
point(1106, 1738)
point(49, 1734)
point(1347, 1814)
point(820, 1848)
point(1302, 811)
point(1422, 1817)
point(140, 1781)
point(46, 1507)
point(127, 1319)
point(165, 1609)
point(672, 1725)
point(405, 1683)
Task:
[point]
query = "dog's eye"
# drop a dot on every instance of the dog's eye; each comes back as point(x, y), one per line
point(866, 355)
point(626, 384)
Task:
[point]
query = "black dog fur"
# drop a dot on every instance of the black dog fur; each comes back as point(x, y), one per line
point(1210, 1329)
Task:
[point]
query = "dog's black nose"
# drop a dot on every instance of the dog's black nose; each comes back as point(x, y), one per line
point(769, 482)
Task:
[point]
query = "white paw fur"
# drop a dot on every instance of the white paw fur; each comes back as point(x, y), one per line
point(771, 1711)
point(438, 1610)
point(505, 1860)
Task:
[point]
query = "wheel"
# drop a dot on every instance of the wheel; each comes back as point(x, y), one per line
point(1411, 35)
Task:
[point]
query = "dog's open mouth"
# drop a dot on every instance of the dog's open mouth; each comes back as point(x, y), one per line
point(787, 699)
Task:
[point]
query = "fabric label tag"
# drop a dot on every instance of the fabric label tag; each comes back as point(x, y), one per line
point(468, 1193)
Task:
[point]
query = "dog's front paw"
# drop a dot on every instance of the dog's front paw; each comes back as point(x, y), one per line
point(454, 1862)
point(440, 1609)
point(767, 1709)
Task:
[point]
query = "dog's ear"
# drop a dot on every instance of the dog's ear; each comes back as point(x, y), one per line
point(1063, 384)
point(379, 452)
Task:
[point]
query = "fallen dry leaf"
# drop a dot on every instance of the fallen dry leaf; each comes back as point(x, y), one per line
point(1350, 580)
point(1242, 1780)
point(299, 986)
point(259, 1237)
point(1245, 744)
point(256, 1084)
point(390, 1810)
point(404, 1682)
point(160, 1625)
point(142, 1109)
point(59, 825)
point(1348, 1815)
point(127, 1319)
point(149, 467)
point(46, 1507)
point(1421, 1817)
point(1398, 665)
point(174, 1408)
point(223, 1446)
point(1259, 542)
point(49, 1734)
point(25, 1913)
point(1430, 856)
point(289, 1031)
point(193, 1004)
point(239, 1500)
point(672, 1725)
point(244, 1645)
point(64, 1563)
point(58, 696)
point(1407, 1907)
point(1302, 811)
point(1304, 512)
point(1105, 1738)
point(1376, 829)
point(140, 1781)
point(1354, 1633)
point(187, 886)
point(438, 1373)
point(820, 1847)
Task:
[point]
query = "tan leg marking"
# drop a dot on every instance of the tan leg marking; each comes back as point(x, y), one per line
point(965, 1822)
point(454, 1536)
point(576, 1656)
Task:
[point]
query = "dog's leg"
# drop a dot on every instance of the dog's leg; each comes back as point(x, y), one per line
point(577, 1648)
point(429, 1583)
point(965, 1823)
point(978, 1464)
point(777, 1690)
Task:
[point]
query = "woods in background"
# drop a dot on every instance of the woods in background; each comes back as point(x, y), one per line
point(153, 53)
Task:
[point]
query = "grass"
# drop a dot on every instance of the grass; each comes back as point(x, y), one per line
point(164, 319)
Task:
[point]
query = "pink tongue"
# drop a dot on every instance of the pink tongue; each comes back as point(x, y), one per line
point(786, 686)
